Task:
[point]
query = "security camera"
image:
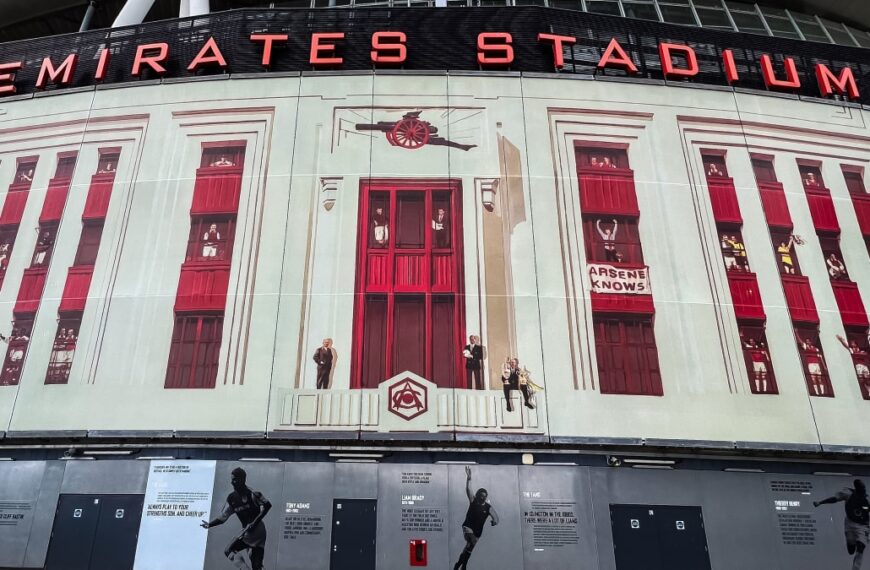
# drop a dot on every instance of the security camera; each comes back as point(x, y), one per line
point(613, 461)
point(72, 452)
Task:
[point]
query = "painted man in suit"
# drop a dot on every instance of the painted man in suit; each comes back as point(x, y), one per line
point(473, 354)
point(324, 356)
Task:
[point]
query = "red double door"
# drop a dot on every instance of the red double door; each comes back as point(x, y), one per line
point(409, 313)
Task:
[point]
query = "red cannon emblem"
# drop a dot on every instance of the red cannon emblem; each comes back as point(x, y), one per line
point(411, 132)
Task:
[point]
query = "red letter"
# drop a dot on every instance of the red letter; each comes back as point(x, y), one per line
point(845, 83)
point(730, 66)
point(621, 60)
point(267, 40)
point(668, 65)
point(792, 81)
point(317, 48)
point(102, 65)
point(558, 41)
point(152, 61)
point(485, 47)
point(65, 71)
point(7, 73)
point(210, 53)
point(397, 47)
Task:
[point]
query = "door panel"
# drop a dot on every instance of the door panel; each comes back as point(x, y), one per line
point(354, 532)
point(72, 537)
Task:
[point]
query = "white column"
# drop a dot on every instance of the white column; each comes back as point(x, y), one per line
point(184, 9)
point(133, 12)
point(199, 7)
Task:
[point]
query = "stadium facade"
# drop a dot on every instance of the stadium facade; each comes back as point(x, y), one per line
point(315, 278)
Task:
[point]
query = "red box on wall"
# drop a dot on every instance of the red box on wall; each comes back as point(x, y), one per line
point(799, 299)
point(822, 210)
point(418, 554)
point(13, 206)
point(55, 200)
point(217, 191)
point(850, 304)
point(99, 194)
point(623, 304)
point(30, 292)
point(775, 205)
point(862, 212)
point(75, 291)
point(202, 287)
point(745, 295)
point(609, 193)
point(723, 198)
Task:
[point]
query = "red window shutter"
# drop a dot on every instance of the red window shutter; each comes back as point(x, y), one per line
point(13, 207)
point(55, 199)
point(194, 353)
point(822, 210)
point(627, 357)
point(799, 298)
point(723, 198)
point(622, 304)
point(862, 211)
point(745, 295)
point(850, 304)
point(202, 287)
point(75, 291)
point(99, 194)
point(217, 191)
point(775, 205)
point(609, 193)
point(30, 292)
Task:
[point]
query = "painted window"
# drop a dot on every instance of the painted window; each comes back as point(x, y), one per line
point(193, 356)
point(63, 350)
point(89, 244)
point(627, 358)
point(756, 355)
point(18, 341)
point(409, 291)
point(784, 246)
point(814, 364)
point(612, 240)
point(211, 239)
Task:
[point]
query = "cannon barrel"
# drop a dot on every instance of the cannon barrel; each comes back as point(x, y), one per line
point(380, 126)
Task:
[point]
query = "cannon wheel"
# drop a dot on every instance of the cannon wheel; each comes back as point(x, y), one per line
point(409, 133)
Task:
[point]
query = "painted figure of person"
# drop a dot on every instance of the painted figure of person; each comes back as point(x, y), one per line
point(608, 236)
point(857, 520)
point(43, 246)
point(859, 360)
point(4, 256)
point(713, 170)
point(441, 229)
point(836, 268)
point(473, 354)
point(106, 168)
point(810, 181)
point(479, 510)
point(608, 163)
point(251, 507)
point(728, 253)
point(223, 162)
point(324, 356)
point(815, 364)
point(515, 378)
point(760, 364)
point(785, 255)
point(593, 162)
point(25, 176)
point(210, 241)
point(380, 227)
point(739, 254)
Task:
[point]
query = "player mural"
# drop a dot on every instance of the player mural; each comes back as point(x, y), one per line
point(247, 550)
point(856, 521)
point(479, 510)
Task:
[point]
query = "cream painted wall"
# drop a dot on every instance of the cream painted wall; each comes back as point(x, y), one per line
point(292, 279)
